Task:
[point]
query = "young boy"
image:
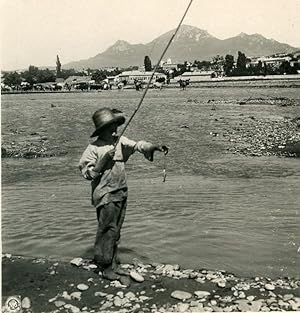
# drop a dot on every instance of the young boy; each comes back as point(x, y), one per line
point(103, 164)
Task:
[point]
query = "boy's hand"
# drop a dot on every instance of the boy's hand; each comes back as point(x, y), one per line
point(107, 158)
point(110, 153)
point(150, 151)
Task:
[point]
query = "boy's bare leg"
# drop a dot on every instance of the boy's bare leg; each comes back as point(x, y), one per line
point(116, 264)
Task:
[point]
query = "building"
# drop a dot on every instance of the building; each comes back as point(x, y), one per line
point(168, 65)
point(131, 76)
point(77, 80)
point(274, 61)
point(196, 76)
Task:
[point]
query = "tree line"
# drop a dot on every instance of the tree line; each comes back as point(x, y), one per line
point(219, 64)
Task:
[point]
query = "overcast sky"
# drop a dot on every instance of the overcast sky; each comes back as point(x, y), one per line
point(35, 31)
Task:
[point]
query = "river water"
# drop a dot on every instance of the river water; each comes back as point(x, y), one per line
point(216, 210)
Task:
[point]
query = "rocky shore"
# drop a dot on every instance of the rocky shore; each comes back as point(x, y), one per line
point(252, 135)
point(45, 285)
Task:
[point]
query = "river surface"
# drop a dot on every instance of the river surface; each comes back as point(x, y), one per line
point(216, 210)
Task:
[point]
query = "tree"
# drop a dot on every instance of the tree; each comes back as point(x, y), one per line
point(58, 67)
point(12, 79)
point(285, 68)
point(241, 64)
point(45, 76)
point(228, 66)
point(31, 75)
point(98, 76)
point(147, 63)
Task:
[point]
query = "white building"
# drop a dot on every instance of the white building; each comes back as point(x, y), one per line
point(131, 76)
point(196, 76)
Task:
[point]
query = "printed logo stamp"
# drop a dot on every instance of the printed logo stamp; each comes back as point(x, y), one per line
point(12, 305)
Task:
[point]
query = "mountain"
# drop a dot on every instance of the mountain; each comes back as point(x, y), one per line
point(190, 43)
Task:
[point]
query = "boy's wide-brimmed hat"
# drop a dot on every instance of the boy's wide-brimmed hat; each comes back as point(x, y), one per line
point(106, 116)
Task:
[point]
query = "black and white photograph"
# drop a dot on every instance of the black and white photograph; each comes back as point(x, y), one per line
point(150, 156)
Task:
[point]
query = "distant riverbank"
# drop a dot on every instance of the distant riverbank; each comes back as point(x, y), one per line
point(269, 81)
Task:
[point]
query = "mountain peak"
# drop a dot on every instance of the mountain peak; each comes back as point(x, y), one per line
point(192, 33)
point(120, 45)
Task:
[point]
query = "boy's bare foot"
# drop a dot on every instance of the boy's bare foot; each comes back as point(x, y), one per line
point(125, 280)
point(118, 270)
point(110, 274)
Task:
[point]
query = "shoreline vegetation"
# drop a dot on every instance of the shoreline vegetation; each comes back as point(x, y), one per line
point(47, 285)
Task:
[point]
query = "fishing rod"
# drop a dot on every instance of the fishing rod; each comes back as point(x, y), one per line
point(148, 84)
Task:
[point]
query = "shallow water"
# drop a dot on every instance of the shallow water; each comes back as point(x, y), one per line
point(216, 210)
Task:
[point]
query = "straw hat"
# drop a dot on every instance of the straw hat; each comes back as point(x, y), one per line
point(106, 116)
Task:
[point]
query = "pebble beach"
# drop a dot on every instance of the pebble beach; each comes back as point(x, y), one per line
point(45, 285)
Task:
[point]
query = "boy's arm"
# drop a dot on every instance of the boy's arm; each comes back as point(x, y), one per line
point(87, 163)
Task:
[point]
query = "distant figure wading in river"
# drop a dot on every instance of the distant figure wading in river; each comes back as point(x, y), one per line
point(104, 164)
point(183, 83)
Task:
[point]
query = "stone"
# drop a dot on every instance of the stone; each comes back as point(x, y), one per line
point(222, 284)
point(269, 287)
point(288, 297)
point(256, 305)
point(168, 268)
point(295, 304)
point(66, 296)
point(242, 295)
point(125, 281)
point(77, 261)
point(100, 294)
point(106, 305)
point(120, 294)
point(130, 295)
point(282, 303)
point(182, 307)
point(243, 305)
point(213, 302)
point(52, 299)
point(26, 303)
point(110, 297)
point(201, 294)
point(118, 301)
point(59, 303)
point(194, 303)
point(82, 287)
point(250, 298)
point(198, 308)
point(143, 298)
point(136, 276)
point(72, 308)
point(76, 295)
point(181, 295)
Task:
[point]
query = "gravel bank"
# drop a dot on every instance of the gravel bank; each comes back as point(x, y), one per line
point(55, 286)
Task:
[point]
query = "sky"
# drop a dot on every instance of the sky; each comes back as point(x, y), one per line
point(33, 32)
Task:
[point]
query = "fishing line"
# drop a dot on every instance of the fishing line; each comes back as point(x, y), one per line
point(148, 85)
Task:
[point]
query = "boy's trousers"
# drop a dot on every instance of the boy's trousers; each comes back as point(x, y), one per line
point(110, 220)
